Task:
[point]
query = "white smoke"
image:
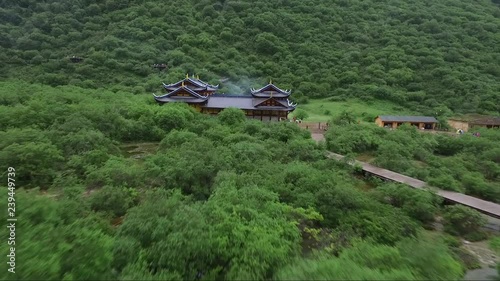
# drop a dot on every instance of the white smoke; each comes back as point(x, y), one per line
point(240, 87)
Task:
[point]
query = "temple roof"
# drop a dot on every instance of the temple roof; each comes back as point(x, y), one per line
point(277, 97)
point(183, 99)
point(270, 90)
point(245, 102)
point(193, 83)
point(172, 96)
point(259, 101)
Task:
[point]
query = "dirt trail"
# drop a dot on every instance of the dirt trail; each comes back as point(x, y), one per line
point(483, 253)
point(318, 137)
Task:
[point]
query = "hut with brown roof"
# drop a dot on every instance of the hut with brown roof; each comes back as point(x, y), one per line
point(421, 122)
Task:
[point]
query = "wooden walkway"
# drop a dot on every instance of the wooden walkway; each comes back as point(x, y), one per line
point(485, 207)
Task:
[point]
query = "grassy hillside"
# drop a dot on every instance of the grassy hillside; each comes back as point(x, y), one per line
point(322, 110)
point(417, 54)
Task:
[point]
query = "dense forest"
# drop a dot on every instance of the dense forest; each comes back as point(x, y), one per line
point(111, 186)
point(218, 198)
point(424, 55)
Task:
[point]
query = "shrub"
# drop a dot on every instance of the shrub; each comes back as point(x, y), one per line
point(464, 221)
point(231, 116)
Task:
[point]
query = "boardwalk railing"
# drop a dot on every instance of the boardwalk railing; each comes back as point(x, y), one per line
point(483, 206)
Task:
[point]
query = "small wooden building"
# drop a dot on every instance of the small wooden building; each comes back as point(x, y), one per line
point(468, 123)
point(268, 103)
point(421, 122)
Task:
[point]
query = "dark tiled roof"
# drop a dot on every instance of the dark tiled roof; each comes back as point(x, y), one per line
point(186, 89)
point(195, 82)
point(180, 99)
point(270, 89)
point(422, 119)
point(241, 102)
point(257, 101)
point(268, 94)
point(225, 101)
point(221, 101)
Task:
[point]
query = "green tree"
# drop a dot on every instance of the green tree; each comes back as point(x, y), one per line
point(301, 114)
point(115, 200)
point(418, 204)
point(461, 220)
point(231, 116)
point(344, 118)
point(337, 269)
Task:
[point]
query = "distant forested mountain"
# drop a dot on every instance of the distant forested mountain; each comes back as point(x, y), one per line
point(419, 54)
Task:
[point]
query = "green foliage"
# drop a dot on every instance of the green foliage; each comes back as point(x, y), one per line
point(338, 269)
point(352, 138)
point(173, 116)
point(231, 116)
point(213, 198)
point(417, 204)
point(115, 200)
point(36, 160)
point(56, 249)
point(344, 118)
point(301, 114)
point(464, 164)
point(423, 57)
point(418, 252)
point(495, 244)
point(461, 220)
point(216, 238)
point(117, 172)
point(366, 261)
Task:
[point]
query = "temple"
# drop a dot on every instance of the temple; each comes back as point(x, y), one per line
point(268, 103)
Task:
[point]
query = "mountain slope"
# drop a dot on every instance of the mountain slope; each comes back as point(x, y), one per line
point(420, 54)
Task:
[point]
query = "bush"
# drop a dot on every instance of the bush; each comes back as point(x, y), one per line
point(174, 116)
point(418, 204)
point(231, 116)
point(114, 200)
point(446, 182)
point(301, 114)
point(464, 221)
point(495, 244)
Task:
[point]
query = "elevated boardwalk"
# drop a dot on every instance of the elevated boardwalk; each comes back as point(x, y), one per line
point(485, 207)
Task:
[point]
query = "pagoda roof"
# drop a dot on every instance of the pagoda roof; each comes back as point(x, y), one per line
point(197, 85)
point(173, 97)
point(259, 101)
point(183, 99)
point(270, 90)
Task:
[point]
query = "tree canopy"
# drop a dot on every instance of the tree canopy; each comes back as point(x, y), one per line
point(214, 198)
point(418, 54)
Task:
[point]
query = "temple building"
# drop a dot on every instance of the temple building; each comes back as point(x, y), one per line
point(268, 103)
